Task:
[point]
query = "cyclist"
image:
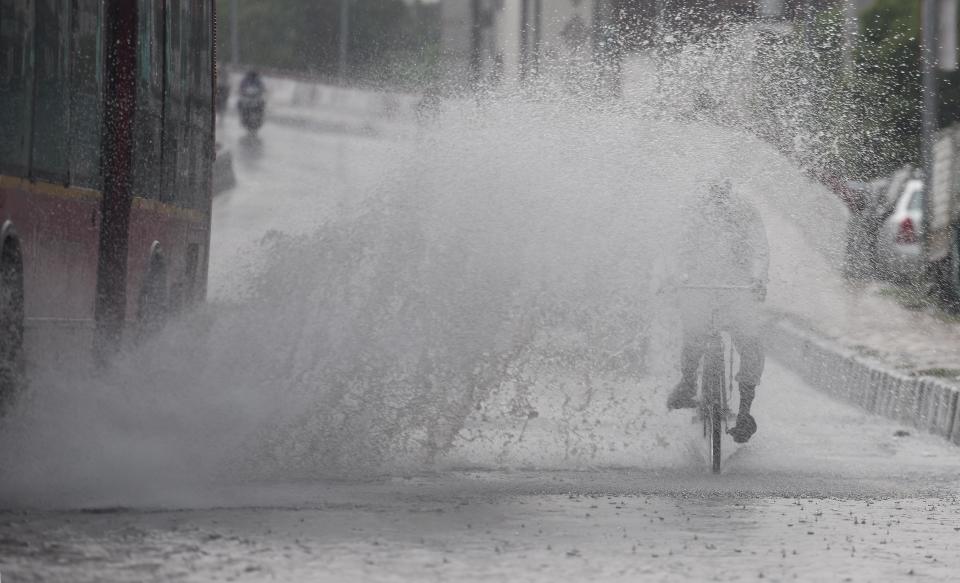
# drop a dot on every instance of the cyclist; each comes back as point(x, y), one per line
point(723, 243)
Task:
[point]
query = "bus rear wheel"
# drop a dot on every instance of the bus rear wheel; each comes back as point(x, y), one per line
point(12, 368)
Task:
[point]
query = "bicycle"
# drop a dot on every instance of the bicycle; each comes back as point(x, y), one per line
point(715, 375)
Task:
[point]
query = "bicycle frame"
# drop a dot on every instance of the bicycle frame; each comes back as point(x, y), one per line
point(716, 378)
point(713, 390)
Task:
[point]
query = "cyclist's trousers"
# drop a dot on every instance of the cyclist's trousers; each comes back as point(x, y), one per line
point(747, 343)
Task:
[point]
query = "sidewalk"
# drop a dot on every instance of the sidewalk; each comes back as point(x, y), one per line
point(870, 321)
point(805, 288)
point(339, 110)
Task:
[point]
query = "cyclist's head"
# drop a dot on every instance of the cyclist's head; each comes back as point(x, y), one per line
point(705, 103)
point(719, 192)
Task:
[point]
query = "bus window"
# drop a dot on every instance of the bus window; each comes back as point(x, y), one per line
point(16, 85)
point(51, 120)
point(148, 122)
point(173, 104)
point(188, 167)
point(186, 161)
point(198, 93)
point(85, 78)
point(203, 121)
point(156, 80)
point(186, 41)
point(144, 42)
point(200, 59)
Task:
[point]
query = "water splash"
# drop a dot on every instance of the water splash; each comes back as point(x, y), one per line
point(515, 229)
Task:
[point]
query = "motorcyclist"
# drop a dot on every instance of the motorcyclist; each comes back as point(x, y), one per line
point(724, 243)
point(252, 84)
point(251, 103)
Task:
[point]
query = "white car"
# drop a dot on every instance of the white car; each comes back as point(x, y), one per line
point(899, 250)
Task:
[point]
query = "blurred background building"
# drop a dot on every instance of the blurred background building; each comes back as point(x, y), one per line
point(493, 43)
point(472, 43)
point(488, 43)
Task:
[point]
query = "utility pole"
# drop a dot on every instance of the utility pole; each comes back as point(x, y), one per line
point(659, 20)
point(344, 38)
point(476, 40)
point(117, 137)
point(850, 26)
point(928, 24)
point(537, 34)
point(234, 35)
point(947, 280)
point(947, 36)
point(607, 54)
point(524, 39)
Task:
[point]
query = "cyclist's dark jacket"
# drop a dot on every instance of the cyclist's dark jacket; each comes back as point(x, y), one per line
point(723, 245)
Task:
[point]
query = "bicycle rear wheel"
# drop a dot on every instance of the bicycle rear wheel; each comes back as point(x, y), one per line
point(716, 432)
point(714, 378)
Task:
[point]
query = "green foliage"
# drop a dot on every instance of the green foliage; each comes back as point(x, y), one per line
point(863, 122)
point(801, 99)
point(390, 41)
point(887, 84)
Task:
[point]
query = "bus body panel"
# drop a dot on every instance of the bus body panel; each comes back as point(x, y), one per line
point(60, 251)
point(182, 237)
point(58, 230)
point(53, 175)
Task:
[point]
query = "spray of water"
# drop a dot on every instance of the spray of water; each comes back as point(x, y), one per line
point(513, 234)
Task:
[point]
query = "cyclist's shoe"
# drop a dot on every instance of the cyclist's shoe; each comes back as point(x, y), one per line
point(744, 429)
point(683, 396)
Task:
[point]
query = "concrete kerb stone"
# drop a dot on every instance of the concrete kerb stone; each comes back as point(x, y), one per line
point(834, 375)
point(843, 380)
point(861, 384)
point(874, 384)
point(907, 400)
point(866, 380)
point(817, 365)
point(890, 397)
point(889, 393)
point(837, 381)
point(855, 388)
point(927, 408)
point(805, 359)
point(955, 428)
point(935, 398)
point(900, 390)
point(874, 391)
point(920, 417)
point(925, 403)
point(882, 394)
point(941, 417)
point(946, 413)
point(907, 403)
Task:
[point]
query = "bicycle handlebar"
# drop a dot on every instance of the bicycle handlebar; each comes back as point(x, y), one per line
point(722, 287)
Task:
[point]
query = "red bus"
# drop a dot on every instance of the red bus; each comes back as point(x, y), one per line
point(106, 147)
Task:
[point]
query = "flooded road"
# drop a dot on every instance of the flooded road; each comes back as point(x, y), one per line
point(462, 528)
point(563, 471)
point(823, 492)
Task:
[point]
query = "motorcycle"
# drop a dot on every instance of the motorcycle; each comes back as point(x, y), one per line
point(251, 105)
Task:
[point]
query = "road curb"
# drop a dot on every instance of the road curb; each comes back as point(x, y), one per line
point(305, 121)
point(925, 403)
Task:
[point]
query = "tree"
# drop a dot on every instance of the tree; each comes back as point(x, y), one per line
point(303, 36)
point(888, 85)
